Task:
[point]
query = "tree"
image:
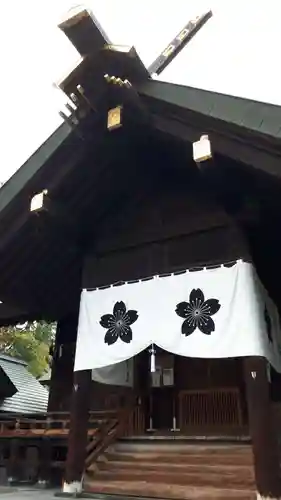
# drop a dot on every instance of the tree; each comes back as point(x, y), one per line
point(29, 342)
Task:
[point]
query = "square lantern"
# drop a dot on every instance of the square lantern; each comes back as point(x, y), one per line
point(114, 118)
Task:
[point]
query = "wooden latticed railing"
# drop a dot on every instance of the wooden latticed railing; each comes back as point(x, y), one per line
point(104, 426)
point(197, 410)
point(210, 409)
point(128, 421)
point(51, 424)
point(107, 432)
point(135, 422)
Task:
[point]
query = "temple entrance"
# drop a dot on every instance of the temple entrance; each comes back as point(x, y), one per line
point(183, 396)
point(192, 396)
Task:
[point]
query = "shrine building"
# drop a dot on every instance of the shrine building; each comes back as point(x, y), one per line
point(147, 227)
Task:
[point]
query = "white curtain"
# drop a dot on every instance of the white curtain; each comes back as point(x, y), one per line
point(118, 374)
point(213, 313)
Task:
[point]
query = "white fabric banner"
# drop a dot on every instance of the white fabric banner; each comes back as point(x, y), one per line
point(118, 374)
point(213, 313)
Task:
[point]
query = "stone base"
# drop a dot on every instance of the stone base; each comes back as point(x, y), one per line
point(72, 488)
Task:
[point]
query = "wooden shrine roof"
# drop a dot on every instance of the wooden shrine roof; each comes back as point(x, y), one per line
point(88, 170)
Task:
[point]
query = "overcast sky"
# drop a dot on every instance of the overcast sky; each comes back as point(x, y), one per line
point(237, 53)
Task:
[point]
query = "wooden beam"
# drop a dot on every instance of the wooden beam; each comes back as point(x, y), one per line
point(264, 442)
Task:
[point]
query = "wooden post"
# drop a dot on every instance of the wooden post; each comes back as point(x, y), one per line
point(54, 392)
point(78, 434)
point(264, 443)
point(45, 462)
point(13, 468)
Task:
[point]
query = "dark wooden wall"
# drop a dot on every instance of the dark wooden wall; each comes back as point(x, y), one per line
point(190, 374)
point(199, 374)
point(176, 227)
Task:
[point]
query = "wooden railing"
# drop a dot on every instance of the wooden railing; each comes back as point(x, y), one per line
point(135, 420)
point(106, 434)
point(50, 424)
point(196, 410)
point(103, 428)
point(210, 409)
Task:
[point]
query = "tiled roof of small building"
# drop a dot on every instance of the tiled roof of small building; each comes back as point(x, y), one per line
point(31, 396)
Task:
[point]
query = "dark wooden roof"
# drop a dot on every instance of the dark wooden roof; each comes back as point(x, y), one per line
point(91, 173)
point(244, 130)
point(258, 117)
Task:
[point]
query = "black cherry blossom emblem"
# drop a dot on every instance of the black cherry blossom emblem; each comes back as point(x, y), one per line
point(268, 324)
point(197, 313)
point(118, 324)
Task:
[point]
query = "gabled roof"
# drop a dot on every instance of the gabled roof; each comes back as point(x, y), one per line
point(241, 129)
point(30, 396)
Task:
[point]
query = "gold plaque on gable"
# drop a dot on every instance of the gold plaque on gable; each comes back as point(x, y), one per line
point(114, 118)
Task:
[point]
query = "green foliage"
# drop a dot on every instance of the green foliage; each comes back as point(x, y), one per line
point(29, 342)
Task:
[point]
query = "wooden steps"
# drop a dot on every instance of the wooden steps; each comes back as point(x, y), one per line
point(165, 491)
point(176, 470)
point(180, 459)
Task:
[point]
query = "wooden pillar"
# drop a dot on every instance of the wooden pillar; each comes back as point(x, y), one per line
point(264, 443)
point(78, 434)
point(62, 365)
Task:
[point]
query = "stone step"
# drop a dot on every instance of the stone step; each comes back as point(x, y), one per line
point(185, 458)
point(168, 491)
point(229, 479)
point(241, 471)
